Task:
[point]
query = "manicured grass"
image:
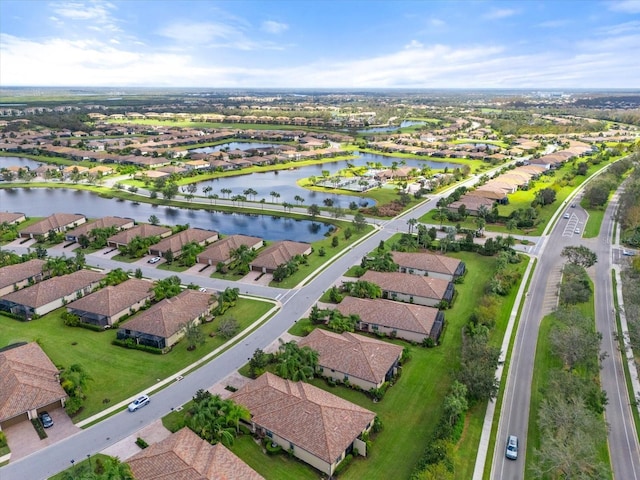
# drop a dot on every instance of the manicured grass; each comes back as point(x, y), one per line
point(301, 327)
point(79, 467)
point(592, 228)
point(136, 370)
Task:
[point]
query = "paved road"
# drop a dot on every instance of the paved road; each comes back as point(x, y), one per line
point(541, 300)
point(295, 304)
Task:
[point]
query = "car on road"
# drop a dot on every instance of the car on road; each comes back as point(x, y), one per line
point(154, 260)
point(139, 402)
point(46, 419)
point(628, 253)
point(566, 215)
point(577, 230)
point(202, 289)
point(512, 447)
point(573, 205)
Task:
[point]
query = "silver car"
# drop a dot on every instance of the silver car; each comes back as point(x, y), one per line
point(139, 402)
point(512, 447)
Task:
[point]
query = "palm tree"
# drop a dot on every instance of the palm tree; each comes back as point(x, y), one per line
point(412, 222)
point(298, 199)
point(225, 192)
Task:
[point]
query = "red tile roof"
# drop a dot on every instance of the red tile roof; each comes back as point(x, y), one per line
point(12, 274)
point(426, 262)
point(280, 253)
point(112, 299)
point(416, 285)
point(220, 251)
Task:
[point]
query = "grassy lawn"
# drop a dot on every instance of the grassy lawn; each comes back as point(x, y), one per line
point(93, 350)
point(596, 215)
point(79, 467)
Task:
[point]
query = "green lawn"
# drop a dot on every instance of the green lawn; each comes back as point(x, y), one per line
point(135, 370)
point(79, 467)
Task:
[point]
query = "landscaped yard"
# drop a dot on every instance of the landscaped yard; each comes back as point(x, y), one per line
point(117, 373)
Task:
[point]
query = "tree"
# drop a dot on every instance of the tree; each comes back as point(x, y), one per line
point(412, 222)
point(170, 190)
point(167, 287)
point(359, 222)
point(580, 255)
point(298, 199)
point(154, 220)
point(228, 327)
point(295, 363)
point(192, 334)
point(546, 196)
point(478, 365)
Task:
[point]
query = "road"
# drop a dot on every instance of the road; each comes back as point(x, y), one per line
point(540, 301)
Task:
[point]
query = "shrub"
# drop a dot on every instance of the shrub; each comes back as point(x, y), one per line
point(343, 465)
point(272, 448)
point(73, 405)
point(37, 424)
point(3, 440)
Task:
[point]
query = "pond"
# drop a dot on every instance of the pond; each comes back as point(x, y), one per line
point(6, 162)
point(41, 202)
point(283, 182)
point(234, 146)
point(391, 128)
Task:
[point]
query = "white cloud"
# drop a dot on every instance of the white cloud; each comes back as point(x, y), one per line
point(437, 22)
point(97, 14)
point(498, 13)
point(625, 6)
point(271, 26)
point(414, 44)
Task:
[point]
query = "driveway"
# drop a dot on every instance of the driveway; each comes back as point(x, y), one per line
point(23, 439)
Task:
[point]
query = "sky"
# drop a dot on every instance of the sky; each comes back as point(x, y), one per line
point(347, 44)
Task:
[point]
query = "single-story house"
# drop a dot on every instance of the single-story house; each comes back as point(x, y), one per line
point(145, 230)
point(47, 295)
point(105, 222)
point(174, 243)
point(162, 325)
point(316, 426)
point(472, 204)
point(363, 361)
point(29, 383)
point(184, 455)
point(109, 304)
point(424, 263)
point(408, 321)
point(278, 254)
point(14, 277)
point(404, 287)
point(220, 251)
point(58, 222)
point(12, 218)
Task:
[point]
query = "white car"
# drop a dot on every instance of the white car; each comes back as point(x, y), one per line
point(566, 215)
point(139, 402)
point(628, 253)
point(154, 260)
point(512, 447)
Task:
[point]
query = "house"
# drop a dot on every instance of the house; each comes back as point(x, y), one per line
point(12, 218)
point(174, 243)
point(14, 277)
point(109, 304)
point(184, 455)
point(315, 426)
point(363, 361)
point(106, 222)
point(403, 287)
point(29, 383)
point(123, 238)
point(46, 296)
point(58, 222)
point(424, 263)
point(411, 322)
point(278, 254)
point(221, 251)
point(472, 204)
point(162, 325)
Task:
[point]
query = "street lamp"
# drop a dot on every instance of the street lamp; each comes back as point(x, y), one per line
point(73, 465)
point(89, 458)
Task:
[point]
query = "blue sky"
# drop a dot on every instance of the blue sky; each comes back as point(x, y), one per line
point(321, 44)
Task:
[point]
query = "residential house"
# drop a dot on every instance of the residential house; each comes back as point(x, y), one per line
point(411, 322)
point(12, 218)
point(315, 426)
point(15, 277)
point(145, 230)
point(184, 455)
point(363, 361)
point(29, 384)
point(108, 305)
point(47, 295)
point(174, 243)
point(58, 222)
point(278, 254)
point(425, 263)
point(221, 251)
point(404, 287)
point(162, 325)
point(106, 222)
point(472, 204)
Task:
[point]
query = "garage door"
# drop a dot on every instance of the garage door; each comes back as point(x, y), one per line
point(15, 420)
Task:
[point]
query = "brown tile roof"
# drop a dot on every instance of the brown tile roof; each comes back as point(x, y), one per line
point(27, 380)
point(279, 253)
point(310, 418)
point(104, 222)
point(180, 239)
point(221, 250)
point(185, 456)
point(473, 201)
point(10, 217)
point(21, 271)
point(166, 317)
point(53, 222)
point(356, 355)
point(426, 287)
point(112, 299)
point(54, 288)
point(427, 262)
point(144, 231)
point(387, 313)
